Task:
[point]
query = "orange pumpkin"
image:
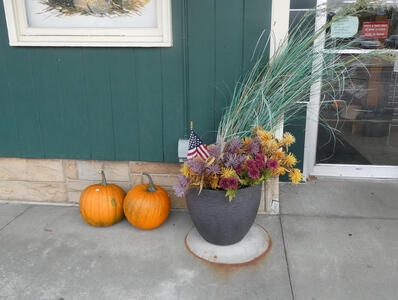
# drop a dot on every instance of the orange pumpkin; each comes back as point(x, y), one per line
point(147, 206)
point(102, 204)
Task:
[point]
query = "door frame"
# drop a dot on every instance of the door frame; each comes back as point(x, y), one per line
point(311, 168)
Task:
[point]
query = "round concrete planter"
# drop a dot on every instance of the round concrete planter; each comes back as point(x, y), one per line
point(219, 221)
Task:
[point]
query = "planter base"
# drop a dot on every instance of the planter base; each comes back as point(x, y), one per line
point(254, 245)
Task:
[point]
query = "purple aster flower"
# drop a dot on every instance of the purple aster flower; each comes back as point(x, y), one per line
point(213, 169)
point(241, 158)
point(224, 183)
point(260, 162)
point(234, 145)
point(197, 166)
point(272, 164)
point(232, 183)
point(233, 160)
point(183, 180)
point(179, 190)
point(214, 151)
point(253, 146)
point(251, 164)
point(253, 173)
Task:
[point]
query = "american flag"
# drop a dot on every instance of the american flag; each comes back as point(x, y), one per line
point(196, 147)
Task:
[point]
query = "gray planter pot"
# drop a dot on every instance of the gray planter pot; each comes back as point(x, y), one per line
point(222, 222)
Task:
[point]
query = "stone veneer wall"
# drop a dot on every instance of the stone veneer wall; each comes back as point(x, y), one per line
point(62, 181)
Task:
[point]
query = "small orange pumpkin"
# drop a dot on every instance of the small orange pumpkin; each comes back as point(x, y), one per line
point(147, 206)
point(102, 204)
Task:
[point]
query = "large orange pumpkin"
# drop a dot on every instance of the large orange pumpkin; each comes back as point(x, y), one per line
point(147, 206)
point(102, 204)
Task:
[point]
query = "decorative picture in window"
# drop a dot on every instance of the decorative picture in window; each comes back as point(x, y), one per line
point(95, 7)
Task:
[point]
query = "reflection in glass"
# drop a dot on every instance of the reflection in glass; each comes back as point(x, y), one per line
point(366, 115)
point(381, 21)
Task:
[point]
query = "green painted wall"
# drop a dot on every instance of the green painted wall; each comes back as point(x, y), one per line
point(127, 103)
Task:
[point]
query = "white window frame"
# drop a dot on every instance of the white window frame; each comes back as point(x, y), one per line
point(21, 34)
point(311, 168)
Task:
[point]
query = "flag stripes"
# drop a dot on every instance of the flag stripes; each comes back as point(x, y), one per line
point(196, 147)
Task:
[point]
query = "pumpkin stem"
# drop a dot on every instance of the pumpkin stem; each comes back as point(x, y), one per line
point(151, 188)
point(103, 177)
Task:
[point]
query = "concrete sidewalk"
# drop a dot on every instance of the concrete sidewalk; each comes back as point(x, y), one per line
point(333, 240)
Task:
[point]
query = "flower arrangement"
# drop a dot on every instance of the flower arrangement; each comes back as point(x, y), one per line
point(240, 163)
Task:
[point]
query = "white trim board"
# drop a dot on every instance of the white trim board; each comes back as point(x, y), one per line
point(279, 30)
point(355, 171)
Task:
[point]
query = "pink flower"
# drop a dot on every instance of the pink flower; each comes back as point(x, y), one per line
point(224, 183)
point(272, 164)
point(232, 183)
point(229, 183)
point(253, 173)
point(251, 164)
point(260, 163)
point(239, 170)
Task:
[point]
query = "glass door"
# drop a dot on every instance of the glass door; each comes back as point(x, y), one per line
point(365, 113)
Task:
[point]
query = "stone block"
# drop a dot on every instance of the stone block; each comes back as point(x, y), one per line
point(70, 168)
point(161, 180)
point(33, 191)
point(74, 197)
point(154, 168)
point(79, 185)
point(88, 169)
point(126, 186)
point(22, 169)
point(116, 170)
point(176, 202)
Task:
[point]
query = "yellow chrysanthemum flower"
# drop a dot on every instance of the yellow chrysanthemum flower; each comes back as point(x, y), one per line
point(264, 145)
point(278, 155)
point(195, 180)
point(246, 140)
point(290, 160)
point(273, 145)
point(228, 172)
point(295, 176)
point(257, 129)
point(288, 139)
point(279, 171)
point(264, 136)
point(214, 182)
point(184, 170)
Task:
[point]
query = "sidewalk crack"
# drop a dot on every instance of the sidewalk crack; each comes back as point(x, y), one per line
point(287, 259)
point(17, 216)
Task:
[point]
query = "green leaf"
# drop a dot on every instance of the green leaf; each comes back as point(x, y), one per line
point(244, 181)
point(230, 194)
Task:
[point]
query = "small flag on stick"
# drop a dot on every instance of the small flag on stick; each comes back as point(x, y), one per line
point(196, 146)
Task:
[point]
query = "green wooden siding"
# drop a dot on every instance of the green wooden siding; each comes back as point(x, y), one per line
point(127, 103)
